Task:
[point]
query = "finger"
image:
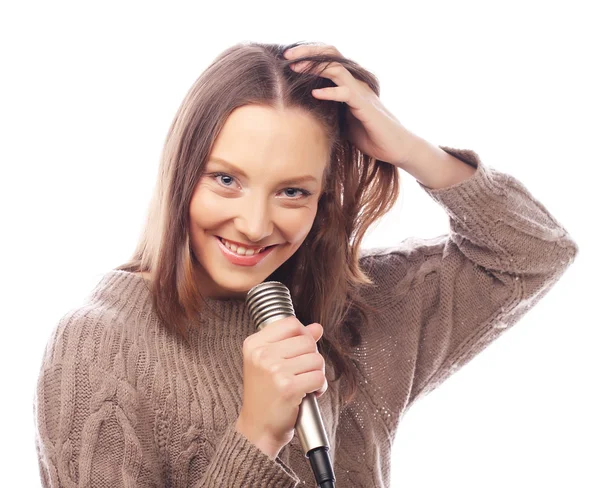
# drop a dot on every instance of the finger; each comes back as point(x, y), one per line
point(283, 329)
point(304, 363)
point(309, 49)
point(322, 390)
point(294, 346)
point(310, 382)
point(333, 71)
point(346, 85)
point(335, 93)
point(316, 330)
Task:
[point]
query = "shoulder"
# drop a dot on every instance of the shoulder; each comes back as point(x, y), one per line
point(95, 351)
point(116, 314)
point(82, 334)
point(105, 327)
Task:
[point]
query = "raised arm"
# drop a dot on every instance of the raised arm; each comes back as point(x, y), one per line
point(444, 299)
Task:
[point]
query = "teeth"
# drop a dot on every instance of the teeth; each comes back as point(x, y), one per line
point(242, 251)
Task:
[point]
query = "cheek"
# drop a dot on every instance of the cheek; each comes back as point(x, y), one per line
point(295, 224)
point(206, 209)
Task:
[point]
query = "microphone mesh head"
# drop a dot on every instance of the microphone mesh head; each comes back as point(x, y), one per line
point(269, 301)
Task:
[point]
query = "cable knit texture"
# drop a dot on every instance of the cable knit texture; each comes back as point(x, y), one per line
point(120, 402)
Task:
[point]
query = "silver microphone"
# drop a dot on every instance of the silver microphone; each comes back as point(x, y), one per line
point(267, 302)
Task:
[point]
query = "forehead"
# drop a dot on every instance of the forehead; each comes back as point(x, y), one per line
point(280, 140)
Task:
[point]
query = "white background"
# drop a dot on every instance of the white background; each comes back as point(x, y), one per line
point(88, 92)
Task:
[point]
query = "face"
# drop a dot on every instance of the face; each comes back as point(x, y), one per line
point(260, 187)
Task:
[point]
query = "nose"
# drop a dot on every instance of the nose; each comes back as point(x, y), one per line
point(254, 221)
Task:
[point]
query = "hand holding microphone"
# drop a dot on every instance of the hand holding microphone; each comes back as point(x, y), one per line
point(281, 365)
point(283, 376)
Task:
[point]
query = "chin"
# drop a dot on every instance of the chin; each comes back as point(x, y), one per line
point(238, 286)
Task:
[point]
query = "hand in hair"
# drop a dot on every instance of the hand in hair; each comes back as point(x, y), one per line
point(373, 128)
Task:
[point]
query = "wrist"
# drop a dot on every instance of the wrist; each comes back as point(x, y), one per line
point(262, 442)
point(414, 146)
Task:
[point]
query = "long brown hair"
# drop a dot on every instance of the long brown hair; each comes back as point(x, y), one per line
point(324, 274)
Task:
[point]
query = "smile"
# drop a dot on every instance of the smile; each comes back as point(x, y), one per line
point(241, 250)
point(250, 257)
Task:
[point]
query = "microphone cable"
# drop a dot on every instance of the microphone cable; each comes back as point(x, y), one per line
point(321, 466)
point(267, 302)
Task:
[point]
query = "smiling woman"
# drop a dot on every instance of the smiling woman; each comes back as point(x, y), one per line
point(252, 160)
point(255, 209)
point(252, 157)
point(161, 378)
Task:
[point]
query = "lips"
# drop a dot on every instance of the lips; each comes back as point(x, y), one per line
point(235, 258)
point(233, 243)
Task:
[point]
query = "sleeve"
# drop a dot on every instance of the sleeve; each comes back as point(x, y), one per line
point(89, 429)
point(237, 462)
point(92, 430)
point(444, 299)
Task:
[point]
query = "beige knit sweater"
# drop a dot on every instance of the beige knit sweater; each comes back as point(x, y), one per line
point(120, 402)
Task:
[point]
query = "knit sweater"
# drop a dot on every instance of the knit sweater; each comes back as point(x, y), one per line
point(122, 402)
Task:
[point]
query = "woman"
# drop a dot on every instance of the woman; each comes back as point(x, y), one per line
point(161, 379)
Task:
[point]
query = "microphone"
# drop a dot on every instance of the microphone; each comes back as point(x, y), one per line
point(267, 302)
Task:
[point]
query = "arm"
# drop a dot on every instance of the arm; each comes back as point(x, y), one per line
point(433, 167)
point(505, 252)
point(94, 428)
point(89, 431)
point(443, 300)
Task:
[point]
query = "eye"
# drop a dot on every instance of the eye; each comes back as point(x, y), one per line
point(303, 192)
point(218, 175)
point(228, 179)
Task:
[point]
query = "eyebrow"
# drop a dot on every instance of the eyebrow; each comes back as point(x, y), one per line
point(287, 181)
